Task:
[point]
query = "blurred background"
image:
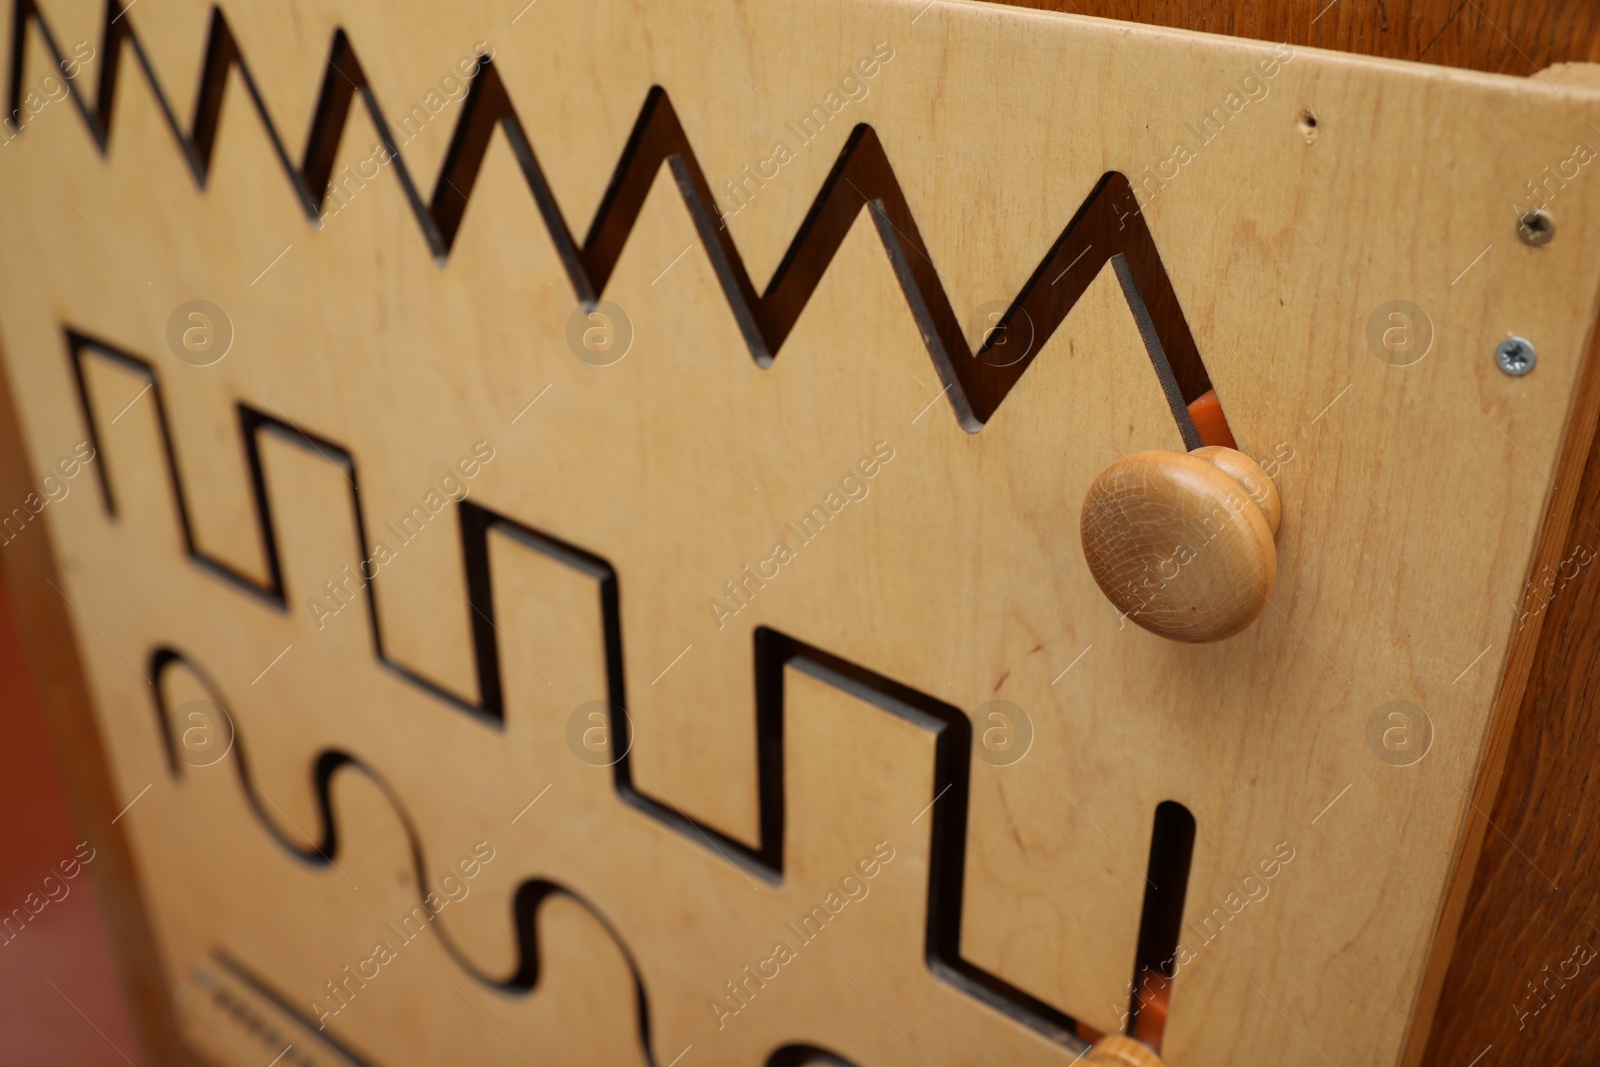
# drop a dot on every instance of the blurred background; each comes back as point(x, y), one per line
point(60, 1001)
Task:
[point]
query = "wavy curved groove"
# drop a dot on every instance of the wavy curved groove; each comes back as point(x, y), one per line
point(774, 652)
point(477, 522)
point(530, 895)
point(1108, 227)
point(806, 1056)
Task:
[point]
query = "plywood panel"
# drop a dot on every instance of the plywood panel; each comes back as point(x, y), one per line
point(660, 478)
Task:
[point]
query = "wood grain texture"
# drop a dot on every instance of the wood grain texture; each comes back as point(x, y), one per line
point(1179, 545)
point(1503, 36)
point(1521, 984)
point(1118, 1051)
point(1248, 473)
point(428, 622)
point(1548, 800)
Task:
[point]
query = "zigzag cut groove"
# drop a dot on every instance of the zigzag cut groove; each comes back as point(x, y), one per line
point(1107, 227)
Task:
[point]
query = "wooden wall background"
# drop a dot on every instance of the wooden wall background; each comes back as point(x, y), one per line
point(1533, 890)
point(1500, 36)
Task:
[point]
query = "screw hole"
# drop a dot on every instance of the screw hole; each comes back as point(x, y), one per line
point(1306, 121)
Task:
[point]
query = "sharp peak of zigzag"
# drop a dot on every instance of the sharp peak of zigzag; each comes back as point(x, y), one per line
point(862, 179)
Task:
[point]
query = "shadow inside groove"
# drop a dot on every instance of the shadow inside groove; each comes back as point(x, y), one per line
point(1155, 965)
point(1108, 227)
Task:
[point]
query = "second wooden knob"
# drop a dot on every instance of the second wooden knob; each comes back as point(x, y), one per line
point(1114, 1050)
point(1182, 543)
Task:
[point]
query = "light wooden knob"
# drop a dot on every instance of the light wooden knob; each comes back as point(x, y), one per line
point(1114, 1050)
point(1182, 542)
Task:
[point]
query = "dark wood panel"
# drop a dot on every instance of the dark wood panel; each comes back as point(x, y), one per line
point(1503, 36)
point(1524, 982)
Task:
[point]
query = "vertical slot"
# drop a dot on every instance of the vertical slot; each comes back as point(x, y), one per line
point(1155, 964)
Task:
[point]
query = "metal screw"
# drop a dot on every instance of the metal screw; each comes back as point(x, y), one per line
point(1516, 356)
point(1536, 227)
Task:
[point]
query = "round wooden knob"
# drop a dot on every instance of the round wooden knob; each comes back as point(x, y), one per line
point(1114, 1050)
point(1181, 543)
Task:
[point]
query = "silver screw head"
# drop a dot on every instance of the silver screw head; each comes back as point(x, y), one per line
point(1515, 356)
point(1536, 227)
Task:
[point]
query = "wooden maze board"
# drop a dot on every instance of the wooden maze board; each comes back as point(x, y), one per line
point(715, 677)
